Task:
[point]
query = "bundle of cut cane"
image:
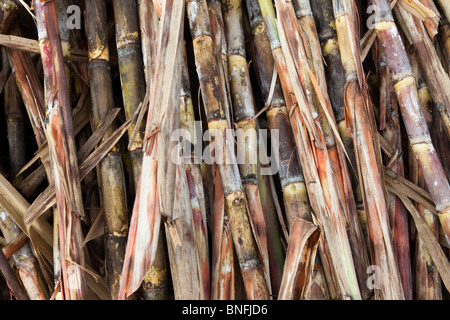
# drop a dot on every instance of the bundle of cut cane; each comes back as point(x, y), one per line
point(164, 106)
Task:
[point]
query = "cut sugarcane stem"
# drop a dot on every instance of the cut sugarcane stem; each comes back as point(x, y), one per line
point(235, 202)
point(63, 152)
point(113, 187)
point(243, 112)
point(307, 23)
point(131, 74)
point(323, 203)
point(433, 71)
point(397, 212)
point(362, 127)
point(415, 124)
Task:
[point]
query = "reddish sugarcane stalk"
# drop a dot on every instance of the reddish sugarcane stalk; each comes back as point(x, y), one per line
point(433, 71)
point(32, 93)
point(24, 260)
point(315, 159)
point(336, 152)
point(335, 74)
point(415, 124)
point(16, 288)
point(200, 230)
point(397, 212)
point(61, 142)
point(427, 279)
point(362, 128)
point(148, 27)
point(289, 170)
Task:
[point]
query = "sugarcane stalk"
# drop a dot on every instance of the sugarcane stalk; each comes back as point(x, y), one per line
point(295, 198)
point(131, 74)
point(64, 35)
point(397, 212)
point(266, 185)
point(189, 259)
point(428, 281)
point(235, 202)
point(148, 27)
point(427, 278)
point(24, 260)
point(362, 128)
point(433, 71)
point(324, 199)
point(307, 23)
point(112, 180)
point(243, 113)
point(297, 204)
point(31, 91)
point(274, 246)
point(222, 264)
point(415, 124)
point(323, 13)
point(9, 11)
point(155, 285)
point(445, 6)
point(16, 288)
point(445, 44)
point(181, 243)
point(15, 128)
point(335, 73)
point(61, 142)
point(195, 186)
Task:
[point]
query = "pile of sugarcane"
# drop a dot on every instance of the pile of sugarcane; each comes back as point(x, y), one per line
point(225, 149)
